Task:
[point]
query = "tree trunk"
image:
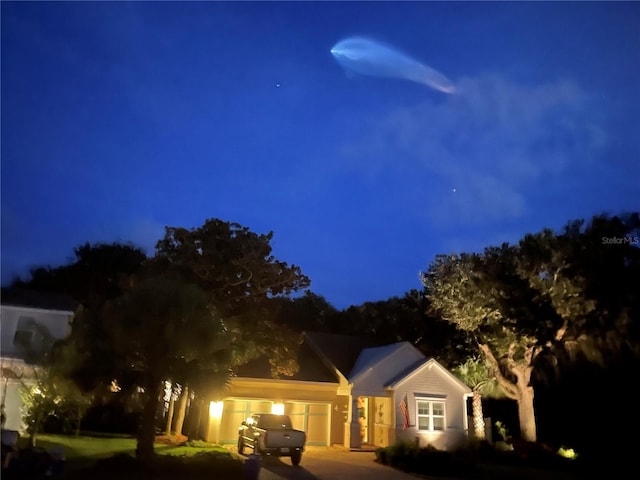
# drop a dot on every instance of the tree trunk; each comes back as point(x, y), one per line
point(198, 422)
point(182, 410)
point(147, 427)
point(37, 427)
point(79, 416)
point(478, 416)
point(189, 419)
point(172, 402)
point(526, 414)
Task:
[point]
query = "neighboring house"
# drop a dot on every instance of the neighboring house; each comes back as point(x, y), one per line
point(29, 321)
point(353, 393)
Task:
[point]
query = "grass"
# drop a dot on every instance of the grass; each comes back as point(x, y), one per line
point(97, 447)
point(102, 457)
point(84, 447)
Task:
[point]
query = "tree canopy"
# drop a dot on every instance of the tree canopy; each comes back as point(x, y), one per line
point(232, 264)
point(95, 272)
point(551, 295)
point(240, 277)
point(206, 301)
point(161, 328)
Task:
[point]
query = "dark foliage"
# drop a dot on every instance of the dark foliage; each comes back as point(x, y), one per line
point(111, 418)
point(32, 463)
point(474, 460)
point(96, 272)
point(424, 460)
point(201, 466)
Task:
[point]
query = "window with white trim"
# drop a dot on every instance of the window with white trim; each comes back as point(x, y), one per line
point(430, 415)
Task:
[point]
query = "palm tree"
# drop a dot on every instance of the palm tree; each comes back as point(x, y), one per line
point(477, 375)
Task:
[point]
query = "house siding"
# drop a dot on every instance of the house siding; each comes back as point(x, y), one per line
point(281, 390)
point(19, 375)
point(338, 419)
point(56, 322)
point(432, 382)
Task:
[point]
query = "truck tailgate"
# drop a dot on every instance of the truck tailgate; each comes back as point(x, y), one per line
point(285, 439)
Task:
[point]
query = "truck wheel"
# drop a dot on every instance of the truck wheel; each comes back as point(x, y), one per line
point(295, 458)
point(240, 446)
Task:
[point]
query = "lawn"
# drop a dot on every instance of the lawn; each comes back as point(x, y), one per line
point(84, 448)
point(100, 457)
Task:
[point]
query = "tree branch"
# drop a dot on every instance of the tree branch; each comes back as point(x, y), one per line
point(508, 386)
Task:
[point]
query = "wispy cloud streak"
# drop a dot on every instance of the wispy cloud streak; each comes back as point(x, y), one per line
point(485, 149)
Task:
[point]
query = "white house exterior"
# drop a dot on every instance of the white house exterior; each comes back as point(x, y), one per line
point(25, 319)
point(436, 406)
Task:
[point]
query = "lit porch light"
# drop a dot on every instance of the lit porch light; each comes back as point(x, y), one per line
point(215, 409)
point(277, 408)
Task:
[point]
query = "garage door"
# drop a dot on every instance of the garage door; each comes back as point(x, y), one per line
point(235, 411)
point(312, 418)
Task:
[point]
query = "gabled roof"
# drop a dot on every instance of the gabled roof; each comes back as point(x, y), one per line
point(327, 357)
point(311, 369)
point(34, 299)
point(370, 357)
point(409, 372)
point(338, 352)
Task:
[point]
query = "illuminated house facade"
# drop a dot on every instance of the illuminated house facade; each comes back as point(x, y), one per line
point(351, 393)
point(29, 322)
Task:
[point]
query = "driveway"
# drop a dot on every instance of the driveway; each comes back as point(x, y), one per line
point(329, 463)
point(337, 463)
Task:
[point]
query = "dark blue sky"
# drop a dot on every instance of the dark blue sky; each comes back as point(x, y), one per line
point(121, 118)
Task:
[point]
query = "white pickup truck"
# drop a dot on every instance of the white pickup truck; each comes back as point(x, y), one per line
point(271, 434)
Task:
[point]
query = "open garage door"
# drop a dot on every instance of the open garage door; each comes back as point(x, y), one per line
point(312, 418)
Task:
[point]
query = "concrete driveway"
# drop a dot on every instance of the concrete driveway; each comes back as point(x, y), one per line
point(329, 463)
point(336, 463)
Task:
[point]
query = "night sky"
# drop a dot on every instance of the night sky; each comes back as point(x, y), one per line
point(121, 118)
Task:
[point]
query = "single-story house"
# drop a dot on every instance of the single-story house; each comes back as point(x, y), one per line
point(26, 318)
point(351, 392)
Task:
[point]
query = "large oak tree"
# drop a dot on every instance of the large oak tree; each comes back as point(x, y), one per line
point(240, 276)
point(552, 296)
point(157, 327)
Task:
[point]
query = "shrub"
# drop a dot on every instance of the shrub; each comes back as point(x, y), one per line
point(424, 460)
point(54, 405)
point(381, 455)
point(438, 462)
point(111, 418)
point(397, 455)
point(172, 440)
point(476, 451)
point(198, 444)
